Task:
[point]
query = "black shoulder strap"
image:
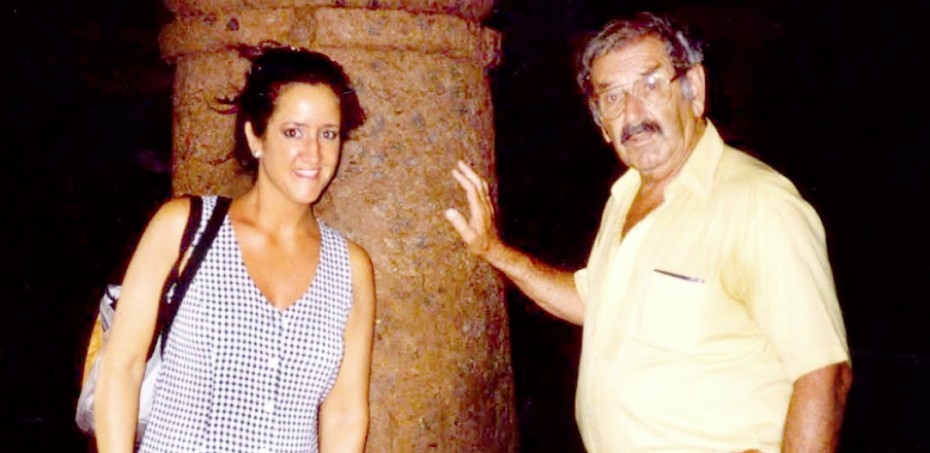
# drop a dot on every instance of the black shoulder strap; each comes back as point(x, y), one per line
point(169, 306)
point(195, 212)
point(200, 251)
point(193, 222)
point(190, 231)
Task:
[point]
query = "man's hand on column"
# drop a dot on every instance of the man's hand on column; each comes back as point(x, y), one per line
point(479, 232)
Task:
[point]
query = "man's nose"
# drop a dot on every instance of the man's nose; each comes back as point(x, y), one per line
point(633, 106)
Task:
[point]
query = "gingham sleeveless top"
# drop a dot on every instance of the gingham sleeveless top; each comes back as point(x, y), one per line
point(239, 375)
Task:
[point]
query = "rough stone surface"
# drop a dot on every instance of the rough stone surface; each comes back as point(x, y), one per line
point(468, 9)
point(441, 376)
point(333, 28)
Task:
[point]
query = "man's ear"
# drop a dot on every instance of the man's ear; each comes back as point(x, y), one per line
point(694, 89)
point(255, 143)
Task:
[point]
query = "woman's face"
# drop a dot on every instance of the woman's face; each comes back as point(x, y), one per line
point(299, 152)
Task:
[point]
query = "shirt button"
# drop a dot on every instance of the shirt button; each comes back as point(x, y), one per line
point(264, 450)
point(273, 363)
point(269, 407)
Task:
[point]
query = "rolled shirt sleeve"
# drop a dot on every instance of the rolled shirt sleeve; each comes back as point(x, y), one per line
point(581, 284)
point(790, 290)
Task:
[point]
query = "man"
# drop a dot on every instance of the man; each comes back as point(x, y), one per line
point(710, 318)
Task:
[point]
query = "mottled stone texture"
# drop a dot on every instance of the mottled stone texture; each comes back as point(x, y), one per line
point(441, 377)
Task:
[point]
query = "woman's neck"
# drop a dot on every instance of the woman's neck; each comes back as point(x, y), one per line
point(273, 214)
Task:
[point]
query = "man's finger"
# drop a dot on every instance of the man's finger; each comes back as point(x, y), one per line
point(473, 177)
point(463, 180)
point(478, 201)
point(460, 224)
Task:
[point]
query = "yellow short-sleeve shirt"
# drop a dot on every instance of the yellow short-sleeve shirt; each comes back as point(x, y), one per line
point(698, 322)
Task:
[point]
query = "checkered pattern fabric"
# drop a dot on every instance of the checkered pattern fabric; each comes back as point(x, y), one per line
point(241, 376)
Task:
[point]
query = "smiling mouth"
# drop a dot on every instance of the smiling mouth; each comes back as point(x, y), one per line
point(306, 173)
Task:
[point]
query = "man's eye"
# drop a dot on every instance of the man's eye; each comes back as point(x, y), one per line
point(651, 83)
point(613, 97)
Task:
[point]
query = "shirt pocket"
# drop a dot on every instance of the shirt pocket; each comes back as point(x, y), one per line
point(673, 312)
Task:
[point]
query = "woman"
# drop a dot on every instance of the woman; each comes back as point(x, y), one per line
point(271, 347)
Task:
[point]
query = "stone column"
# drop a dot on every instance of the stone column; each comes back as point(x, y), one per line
point(441, 376)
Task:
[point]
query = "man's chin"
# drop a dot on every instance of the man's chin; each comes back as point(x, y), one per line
point(643, 159)
point(638, 149)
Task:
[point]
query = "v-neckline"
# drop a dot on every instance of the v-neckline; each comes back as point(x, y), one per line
point(265, 299)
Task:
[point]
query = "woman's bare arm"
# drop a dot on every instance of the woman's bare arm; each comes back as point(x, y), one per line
point(344, 413)
point(123, 359)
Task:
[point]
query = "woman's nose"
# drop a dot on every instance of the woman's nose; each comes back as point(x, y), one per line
point(310, 149)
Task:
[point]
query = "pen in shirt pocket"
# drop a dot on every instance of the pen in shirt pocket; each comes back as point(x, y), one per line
point(683, 277)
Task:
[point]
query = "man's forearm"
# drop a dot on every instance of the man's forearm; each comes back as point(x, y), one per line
point(552, 289)
point(815, 414)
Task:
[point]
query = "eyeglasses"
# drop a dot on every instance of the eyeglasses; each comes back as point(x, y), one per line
point(652, 89)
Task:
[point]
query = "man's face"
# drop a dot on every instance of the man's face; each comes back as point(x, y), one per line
point(655, 137)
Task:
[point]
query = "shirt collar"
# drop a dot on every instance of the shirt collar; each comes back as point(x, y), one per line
point(696, 175)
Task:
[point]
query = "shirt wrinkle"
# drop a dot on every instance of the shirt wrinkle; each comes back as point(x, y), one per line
point(673, 357)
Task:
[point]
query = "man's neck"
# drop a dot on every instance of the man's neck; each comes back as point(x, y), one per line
point(651, 192)
point(653, 184)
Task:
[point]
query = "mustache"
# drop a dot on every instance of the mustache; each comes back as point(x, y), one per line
point(645, 126)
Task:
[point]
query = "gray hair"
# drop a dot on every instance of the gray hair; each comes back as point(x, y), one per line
point(619, 33)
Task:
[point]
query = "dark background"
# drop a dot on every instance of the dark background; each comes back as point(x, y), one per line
point(831, 94)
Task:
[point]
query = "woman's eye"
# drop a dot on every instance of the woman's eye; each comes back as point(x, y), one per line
point(330, 135)
point(292, 133)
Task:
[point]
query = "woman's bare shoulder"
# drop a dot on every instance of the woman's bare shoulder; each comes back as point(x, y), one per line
point(168, 223)
point(173, 214)
point(359, 260)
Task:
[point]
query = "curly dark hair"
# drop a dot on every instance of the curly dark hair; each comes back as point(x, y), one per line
point(272, 68)
point(683, 50)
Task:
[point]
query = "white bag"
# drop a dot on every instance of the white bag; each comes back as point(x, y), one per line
point(172, 294)
point(85, 405)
